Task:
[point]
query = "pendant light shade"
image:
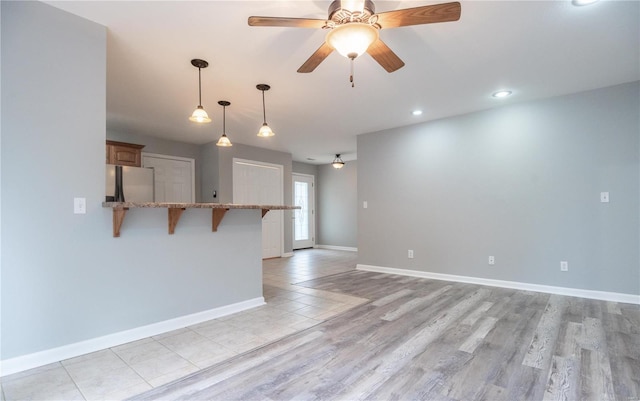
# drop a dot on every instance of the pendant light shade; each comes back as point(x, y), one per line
point(224, 140)
point(199, 115)
point(352, 39)
point(337, 162)
point(265, 131)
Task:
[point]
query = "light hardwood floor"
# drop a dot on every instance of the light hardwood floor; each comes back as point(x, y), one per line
point(435, 340)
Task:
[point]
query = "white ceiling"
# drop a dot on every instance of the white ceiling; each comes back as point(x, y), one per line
point(537, 49)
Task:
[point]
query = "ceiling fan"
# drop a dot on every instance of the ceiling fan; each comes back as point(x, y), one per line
point(353, 29)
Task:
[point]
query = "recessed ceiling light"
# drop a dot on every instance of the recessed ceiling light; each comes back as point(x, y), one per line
point(581, 3)
point(501, 94)
point(417, 112)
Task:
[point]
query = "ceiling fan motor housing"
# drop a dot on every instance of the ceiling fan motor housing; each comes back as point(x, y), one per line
point(341, 15)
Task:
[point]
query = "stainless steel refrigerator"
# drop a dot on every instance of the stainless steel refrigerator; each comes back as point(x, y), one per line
point(137, 183)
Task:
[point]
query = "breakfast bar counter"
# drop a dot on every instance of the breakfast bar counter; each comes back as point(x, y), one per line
point(175, 210)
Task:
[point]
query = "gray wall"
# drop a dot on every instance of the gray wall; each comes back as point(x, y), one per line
point(164, 147)
point(225, 159)
point(520, 182)
point(64, 277)
point(209, 173)
point(304, 168)
point(338, 205)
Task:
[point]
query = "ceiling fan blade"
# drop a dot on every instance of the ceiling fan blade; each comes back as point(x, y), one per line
point(287, 22)
point(385, 56)
point(420, 15)
point(316, 58)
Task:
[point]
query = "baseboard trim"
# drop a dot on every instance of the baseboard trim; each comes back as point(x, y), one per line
point(572, 292)
point(37, 359)
point(337, 248)
point(287, 255)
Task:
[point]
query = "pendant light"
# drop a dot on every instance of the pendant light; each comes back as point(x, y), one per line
point(199, 115)
point(224, 141)
point(337, 162)
point(264, 131)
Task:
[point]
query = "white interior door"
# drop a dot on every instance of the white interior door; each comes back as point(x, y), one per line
point(303, 219)
point(174, 177)
point(261, 184)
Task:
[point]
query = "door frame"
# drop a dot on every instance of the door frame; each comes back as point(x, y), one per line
point(312, 217)
point(191, 161)
point(280, 169)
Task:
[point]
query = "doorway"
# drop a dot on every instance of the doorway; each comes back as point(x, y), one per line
point(304, 218)
point(259, 183)
point(174, 177)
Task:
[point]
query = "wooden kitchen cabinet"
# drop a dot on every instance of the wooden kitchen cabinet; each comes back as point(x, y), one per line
point(124, 154)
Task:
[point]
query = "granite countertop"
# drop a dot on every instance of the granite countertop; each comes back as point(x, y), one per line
point(173, 205)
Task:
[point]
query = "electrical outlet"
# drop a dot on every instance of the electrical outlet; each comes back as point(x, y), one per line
point(564, 266)
point(79, 205)
point(492, 260)
point(410, 254)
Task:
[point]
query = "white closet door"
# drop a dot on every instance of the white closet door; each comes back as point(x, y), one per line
point(261, 184)
point(173, 178)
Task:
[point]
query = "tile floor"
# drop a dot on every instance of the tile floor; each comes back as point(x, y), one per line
point(133, 368)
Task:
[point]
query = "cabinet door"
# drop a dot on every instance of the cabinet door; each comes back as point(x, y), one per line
point(125, 156)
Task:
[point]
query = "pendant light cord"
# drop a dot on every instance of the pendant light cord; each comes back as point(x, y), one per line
point(199, 88)
point(224, 120)
point(264, 110)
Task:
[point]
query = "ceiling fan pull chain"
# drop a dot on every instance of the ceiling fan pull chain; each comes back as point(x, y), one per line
point(351, 76)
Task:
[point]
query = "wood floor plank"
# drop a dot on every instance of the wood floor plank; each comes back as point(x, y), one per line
point(473, 317)
point(392, 297)
point(476, 338)
point(563, 382)
point(541, 347)
point(527, 384)
point(570, 339)
point(511, 326)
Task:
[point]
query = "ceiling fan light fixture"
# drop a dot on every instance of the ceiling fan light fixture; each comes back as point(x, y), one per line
point(199, 115)
point(224, 141)
point(352, 39)
point(337, 162)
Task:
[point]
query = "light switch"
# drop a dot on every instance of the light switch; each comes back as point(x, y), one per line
point(364, 205)
point(79, 205)
point(604, 197)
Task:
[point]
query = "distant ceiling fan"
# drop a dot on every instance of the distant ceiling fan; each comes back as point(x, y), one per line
point(353, 29)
